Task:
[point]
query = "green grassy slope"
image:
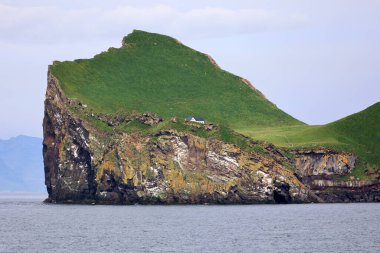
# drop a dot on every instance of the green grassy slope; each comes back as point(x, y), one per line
point(156, 73)
point(358, 133)
point(361, 131)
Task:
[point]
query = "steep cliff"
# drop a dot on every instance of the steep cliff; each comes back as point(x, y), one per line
point(86, 165)
point(117, 138)
point(322, 172)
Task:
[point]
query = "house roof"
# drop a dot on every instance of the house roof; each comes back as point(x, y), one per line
point(196, 118)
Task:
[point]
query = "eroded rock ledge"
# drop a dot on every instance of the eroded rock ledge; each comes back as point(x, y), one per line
point(85, 165)
point(323, 163)
point(319, 170)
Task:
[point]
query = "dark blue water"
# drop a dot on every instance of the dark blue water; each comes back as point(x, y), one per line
point(27, 225)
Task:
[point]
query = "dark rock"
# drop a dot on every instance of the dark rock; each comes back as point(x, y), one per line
point(149, 118)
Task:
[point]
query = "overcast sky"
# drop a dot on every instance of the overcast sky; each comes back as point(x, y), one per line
point(317, 60)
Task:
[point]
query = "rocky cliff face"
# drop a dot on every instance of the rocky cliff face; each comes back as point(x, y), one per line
point(67, 156)
point(323, 163)
point(86, 165)
point(319, 169)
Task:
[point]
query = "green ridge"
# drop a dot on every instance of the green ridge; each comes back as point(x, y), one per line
point(156, 73)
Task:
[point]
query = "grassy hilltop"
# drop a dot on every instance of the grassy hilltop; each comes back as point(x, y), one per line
point(156, 73)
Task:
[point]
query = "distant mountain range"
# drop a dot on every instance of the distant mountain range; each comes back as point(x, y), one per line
point(21, 165)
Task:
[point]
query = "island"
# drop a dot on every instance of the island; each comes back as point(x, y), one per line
point(156, 122)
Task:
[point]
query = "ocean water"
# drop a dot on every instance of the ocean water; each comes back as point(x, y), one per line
point(28, 225)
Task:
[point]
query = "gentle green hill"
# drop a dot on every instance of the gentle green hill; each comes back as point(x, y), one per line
point(358, 133)
point(156, 73)
point(361, 131)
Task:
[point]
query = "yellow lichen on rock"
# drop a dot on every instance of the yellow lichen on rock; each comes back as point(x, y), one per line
point(128, 173)
point(109, 164)
point(249, 164)
point(176, 180)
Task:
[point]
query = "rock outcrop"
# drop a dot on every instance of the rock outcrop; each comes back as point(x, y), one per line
point(321, 169)
point(67, 155)
point(323, 163)
point(84, 164)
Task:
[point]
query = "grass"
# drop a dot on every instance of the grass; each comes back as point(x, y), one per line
point(358, 133)
point(222, 133)
point(156, 73)
point(292, 136)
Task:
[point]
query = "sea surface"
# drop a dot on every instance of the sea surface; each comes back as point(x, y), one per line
point(28, 225)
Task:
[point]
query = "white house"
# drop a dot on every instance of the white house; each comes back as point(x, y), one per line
point(195, 119)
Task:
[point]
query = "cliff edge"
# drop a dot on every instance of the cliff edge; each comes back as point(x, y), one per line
point(107, 140)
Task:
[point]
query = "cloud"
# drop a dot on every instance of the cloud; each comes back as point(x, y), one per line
point(28, 24)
